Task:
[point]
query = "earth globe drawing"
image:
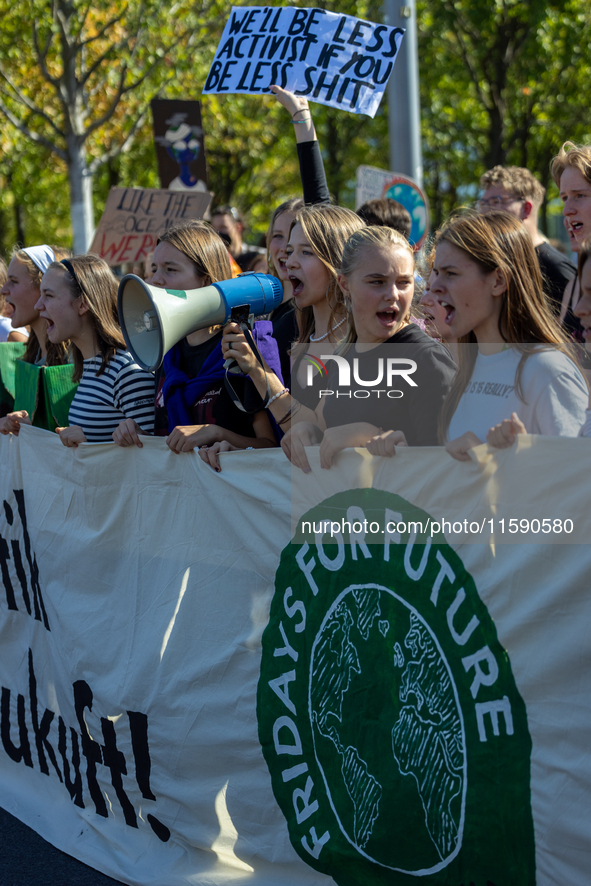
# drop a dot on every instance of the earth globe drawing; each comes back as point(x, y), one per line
point(414, 200)
point(388, 731)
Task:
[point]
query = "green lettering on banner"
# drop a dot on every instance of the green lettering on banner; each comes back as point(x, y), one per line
point(395, 736)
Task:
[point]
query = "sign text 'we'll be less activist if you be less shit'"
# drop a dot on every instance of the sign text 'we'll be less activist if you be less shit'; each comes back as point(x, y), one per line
point(337, 60)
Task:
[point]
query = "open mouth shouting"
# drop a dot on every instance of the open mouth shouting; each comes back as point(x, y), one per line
point(388, 317)
point(450, 311)
point(297, 284)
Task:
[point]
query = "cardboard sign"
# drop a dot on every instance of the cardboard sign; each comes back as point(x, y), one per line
point(336, 60)
point(134, 217)
point(178, 137)
point(373, 183)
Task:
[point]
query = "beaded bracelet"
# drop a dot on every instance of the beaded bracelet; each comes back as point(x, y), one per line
point(276, 396)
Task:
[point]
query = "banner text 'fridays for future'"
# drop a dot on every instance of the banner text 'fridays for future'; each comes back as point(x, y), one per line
point(337, 60)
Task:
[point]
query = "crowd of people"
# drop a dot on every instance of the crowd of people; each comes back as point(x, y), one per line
point(494, 323)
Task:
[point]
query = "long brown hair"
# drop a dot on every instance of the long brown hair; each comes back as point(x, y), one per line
point(95, 283)
point(327, 228)
point(499, 240)
point(204, 246)
point(57, 354)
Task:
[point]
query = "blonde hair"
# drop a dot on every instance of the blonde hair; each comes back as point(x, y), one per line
point(365, 238)
point(203, 246)
point(3, 279)
point(499, 240)
point(575, 156)
point(327, 228)
point(57, 353)
point(95, 283)
point(517, 180)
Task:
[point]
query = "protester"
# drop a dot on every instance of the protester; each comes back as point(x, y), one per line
point(227, 221)
point(487, 276)
point(21, 291)
point(512, 353)
point(377, 281)
point(503, 434)
point(78, 301)
point(388, 212)
point(192, 403)
point(515, 190)
point(571, 171)
point(7, 332)
point(314, 255)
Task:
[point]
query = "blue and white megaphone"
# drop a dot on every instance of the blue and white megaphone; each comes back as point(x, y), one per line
point(153, 320)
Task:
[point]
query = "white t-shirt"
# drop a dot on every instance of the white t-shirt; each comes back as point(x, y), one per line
point(6, 328)
point(554, 391)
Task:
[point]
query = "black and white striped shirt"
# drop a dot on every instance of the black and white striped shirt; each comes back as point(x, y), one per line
point(122, 391)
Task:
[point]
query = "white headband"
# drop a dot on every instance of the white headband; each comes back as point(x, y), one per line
point(41, 255)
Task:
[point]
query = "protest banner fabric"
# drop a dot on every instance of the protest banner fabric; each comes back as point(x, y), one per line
point(336, 60)
point(422, 709)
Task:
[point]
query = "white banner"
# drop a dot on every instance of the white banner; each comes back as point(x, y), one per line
point(336, 60)
point(412, 714)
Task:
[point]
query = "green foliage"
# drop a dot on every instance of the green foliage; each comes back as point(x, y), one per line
point(501, 81)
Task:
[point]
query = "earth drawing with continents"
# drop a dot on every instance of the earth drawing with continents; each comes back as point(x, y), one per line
point(389, 717)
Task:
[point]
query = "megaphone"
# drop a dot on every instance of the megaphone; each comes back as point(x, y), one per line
point(153, 320)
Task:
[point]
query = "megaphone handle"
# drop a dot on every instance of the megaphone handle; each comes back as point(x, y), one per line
point(230, 389)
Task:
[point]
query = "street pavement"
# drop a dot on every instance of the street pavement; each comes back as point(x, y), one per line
point(26, 859)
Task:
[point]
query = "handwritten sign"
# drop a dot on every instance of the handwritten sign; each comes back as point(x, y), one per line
point(134, 217)
point(337, 60)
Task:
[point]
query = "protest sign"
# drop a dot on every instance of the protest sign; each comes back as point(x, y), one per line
point(188, 697)
point(373, 183)
point(337, 60)
point(134, 217)
point(180, 149)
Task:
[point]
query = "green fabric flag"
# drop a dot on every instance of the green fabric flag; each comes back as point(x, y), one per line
point(46, 393)
point(10, 351)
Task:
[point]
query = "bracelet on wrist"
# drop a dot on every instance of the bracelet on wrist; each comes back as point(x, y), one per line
point(305, 120)
point(276, 396)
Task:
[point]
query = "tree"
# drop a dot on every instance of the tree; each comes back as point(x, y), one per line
point(76, 78)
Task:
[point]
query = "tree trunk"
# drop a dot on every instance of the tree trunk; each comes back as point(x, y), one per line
point(81, 208)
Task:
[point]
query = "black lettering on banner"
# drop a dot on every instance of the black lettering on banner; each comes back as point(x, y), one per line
point(23, 751)
point(236, 22)
point(115, 761)
point(275, 45)
point(309, 82)
point(298, 22)
point(90, 748)
point(13, 552)
point(108, 754)
point(250, 20)
point(378, 38)
point(313, 20)
point(74, 787)
point(392, 38)
point(40, 613)
point(337, 35)
point(41, 730)
point(328, 52)
point(358, 32)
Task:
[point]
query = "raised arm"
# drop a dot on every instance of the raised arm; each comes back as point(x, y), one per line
point(312, 173)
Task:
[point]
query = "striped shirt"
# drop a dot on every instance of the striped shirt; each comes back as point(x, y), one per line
point(122, 391)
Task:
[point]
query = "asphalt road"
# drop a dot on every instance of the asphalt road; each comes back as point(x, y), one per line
point(26, 859)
